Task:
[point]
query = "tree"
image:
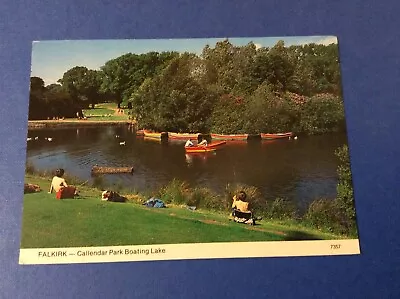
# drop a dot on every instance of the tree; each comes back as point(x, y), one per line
point(175, 99)
point(83, 85)
point(37, 105)
point(122, 76)
point(345, 194)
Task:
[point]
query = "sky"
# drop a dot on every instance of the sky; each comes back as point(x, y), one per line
point(51, 59)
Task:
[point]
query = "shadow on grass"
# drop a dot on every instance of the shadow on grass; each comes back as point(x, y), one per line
point(299, 236)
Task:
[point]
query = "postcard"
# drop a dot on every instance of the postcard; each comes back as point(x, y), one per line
point(144, 150)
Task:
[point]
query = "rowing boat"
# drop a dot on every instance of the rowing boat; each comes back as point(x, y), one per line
point(153, 134)
point(199, 149)
point(183, 136)
point(205, 148)
point(215, 144)
point(229, 136)
point(276, 136)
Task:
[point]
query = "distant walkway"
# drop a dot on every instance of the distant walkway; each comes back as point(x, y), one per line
point(35, 124)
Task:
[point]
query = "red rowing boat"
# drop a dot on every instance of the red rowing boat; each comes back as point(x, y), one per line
point(276, 136)
point(229, 136)
point(199, 149)
point(203, 149)
point(183, 136)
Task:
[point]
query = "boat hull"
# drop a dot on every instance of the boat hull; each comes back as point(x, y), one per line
point(153, 135)
point(230, 137)
point(182, 136)
point(195, 149)
point(204, 149)
point(216, 144)
point(268, 136)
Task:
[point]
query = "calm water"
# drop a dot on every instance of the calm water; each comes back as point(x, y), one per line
point(300, 170)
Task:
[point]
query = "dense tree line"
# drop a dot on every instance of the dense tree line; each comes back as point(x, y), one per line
point(230, 89)
point(226, 89)
point(49, 101)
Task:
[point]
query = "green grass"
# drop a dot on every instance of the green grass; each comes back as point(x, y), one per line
point(99, 110)
point(87, 221)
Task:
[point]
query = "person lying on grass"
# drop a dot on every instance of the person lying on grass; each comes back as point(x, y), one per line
point(58, 183)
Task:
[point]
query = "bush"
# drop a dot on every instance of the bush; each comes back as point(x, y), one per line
point(176, 192)
point(280, 209)
point(30, 168)
point(98, 182)
point(326, 214)
point(345, 194)
point(204, 198)
point(322, 113)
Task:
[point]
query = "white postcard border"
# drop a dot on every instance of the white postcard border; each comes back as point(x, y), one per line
point(131, 253)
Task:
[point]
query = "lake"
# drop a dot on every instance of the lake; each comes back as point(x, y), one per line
point(299, 170)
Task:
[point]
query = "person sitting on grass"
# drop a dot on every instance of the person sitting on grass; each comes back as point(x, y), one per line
point(58, 183)
point(241, 211)
point(240, 203)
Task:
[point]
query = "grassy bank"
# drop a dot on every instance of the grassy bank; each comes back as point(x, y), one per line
point(87, 221)
point(102, 114)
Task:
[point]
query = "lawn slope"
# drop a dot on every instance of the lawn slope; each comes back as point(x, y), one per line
point(87, 221)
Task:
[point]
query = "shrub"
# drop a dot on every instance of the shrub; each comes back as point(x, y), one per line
point(204, 198)
point(30, 168)
point(280, 209)
point(98, 182)
point(175, 192)
point(345, 194)
point(344, 188)
point(326, 214)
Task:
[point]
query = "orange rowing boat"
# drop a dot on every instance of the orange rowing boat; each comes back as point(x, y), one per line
point(276, 136)
point(229, 136)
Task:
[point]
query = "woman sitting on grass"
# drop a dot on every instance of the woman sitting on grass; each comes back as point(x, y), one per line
point(241, 211)
point(58, 183)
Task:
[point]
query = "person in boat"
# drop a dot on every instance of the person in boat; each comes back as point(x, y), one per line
point(189, 143)
point(203, 143)
point(58, 183)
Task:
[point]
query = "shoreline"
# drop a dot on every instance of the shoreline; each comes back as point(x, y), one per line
point(283, 219)
point(208, 215)
point(41, 124)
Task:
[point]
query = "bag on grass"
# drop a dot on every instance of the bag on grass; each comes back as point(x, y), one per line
point(66, 192)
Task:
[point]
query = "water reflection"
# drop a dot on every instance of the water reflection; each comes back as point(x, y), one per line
point(300, 170)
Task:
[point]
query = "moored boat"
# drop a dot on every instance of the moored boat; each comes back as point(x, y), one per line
point(140, 133)
point(269, 136)
point(229, 136)
point(155, 135)
point(183, 136)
